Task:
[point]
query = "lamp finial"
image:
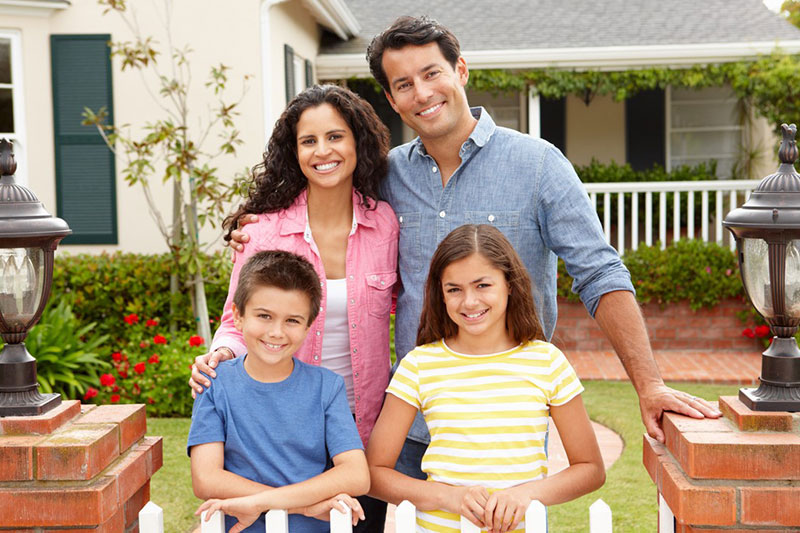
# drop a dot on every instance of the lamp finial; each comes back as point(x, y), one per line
point(788, 150)
point(7, 164)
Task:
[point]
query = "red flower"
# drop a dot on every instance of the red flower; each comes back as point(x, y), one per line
point(139, 368)
point(132, 318)
point(136, 388)
point(116, 356)
point(153, 359)
point(107, 380)
point(151, 401)
point(90, 393)
point(151, 322)
point(143, 344)
point(115, 389)
point(159, 339)
point(747, 332)
point(196, 340)
point(123, 374)
point(114, 398)
point(762, 331)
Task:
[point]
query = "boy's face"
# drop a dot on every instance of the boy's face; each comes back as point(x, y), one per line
point(274, 324)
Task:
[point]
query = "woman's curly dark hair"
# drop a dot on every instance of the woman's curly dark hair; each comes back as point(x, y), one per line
point(277, 180)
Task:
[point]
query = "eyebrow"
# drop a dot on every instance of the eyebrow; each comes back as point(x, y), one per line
point(423, 69)
point(482, 278)
point(264, 309)
point(340, 130)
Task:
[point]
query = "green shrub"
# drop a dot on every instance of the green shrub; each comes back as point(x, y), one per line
point(67, 352)
point(702, 273)
point(106, 287)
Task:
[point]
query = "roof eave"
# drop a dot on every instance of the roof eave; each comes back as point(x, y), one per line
point(339, 66)
point(32, 8)
point(335, 16)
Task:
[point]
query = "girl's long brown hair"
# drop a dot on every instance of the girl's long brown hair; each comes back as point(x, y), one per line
point(522, 321)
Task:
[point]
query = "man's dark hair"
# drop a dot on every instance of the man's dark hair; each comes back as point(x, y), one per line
point(282, 270)
point(416, 31)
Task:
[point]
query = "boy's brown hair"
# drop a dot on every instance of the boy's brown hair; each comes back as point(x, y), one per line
point(522, 321)
point(282, 270)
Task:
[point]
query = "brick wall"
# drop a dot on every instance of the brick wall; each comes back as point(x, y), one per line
point(672, 327)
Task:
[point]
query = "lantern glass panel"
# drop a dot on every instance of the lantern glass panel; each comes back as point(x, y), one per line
point(792, 282)
point(755, 272)
point(21, 284)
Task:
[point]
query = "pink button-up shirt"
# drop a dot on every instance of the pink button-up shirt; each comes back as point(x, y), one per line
point(371, 272)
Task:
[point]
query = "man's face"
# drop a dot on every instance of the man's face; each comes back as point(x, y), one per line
point(426, 91)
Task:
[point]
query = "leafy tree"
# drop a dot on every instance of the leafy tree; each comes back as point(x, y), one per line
point(791, 10)
point(173, 148)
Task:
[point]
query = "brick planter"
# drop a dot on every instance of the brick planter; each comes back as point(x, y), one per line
point(76, 468)
point(673, 327)
point(736, 474)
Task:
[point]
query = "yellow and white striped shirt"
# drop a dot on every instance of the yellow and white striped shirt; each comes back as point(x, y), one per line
point(487, 414)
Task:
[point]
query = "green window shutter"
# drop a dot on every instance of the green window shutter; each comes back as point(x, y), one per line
point(85, 171)
point(288, 67)
point(309, 74)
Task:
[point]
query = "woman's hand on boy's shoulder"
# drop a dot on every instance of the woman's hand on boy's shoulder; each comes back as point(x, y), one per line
point(203, 369)
point(238, 237)
point(322, 510)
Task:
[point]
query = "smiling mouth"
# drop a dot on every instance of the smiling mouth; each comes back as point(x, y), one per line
point(326, 166)
point(431, 110)
point(474, 316)
point(274, 347)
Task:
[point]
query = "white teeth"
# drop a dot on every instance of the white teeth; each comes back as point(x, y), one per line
point(273, 346)
point(476, 315)
point(327, 166)
point(431, 110)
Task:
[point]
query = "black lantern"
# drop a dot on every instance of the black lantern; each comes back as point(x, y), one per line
point(767, 231)
point(28, 237)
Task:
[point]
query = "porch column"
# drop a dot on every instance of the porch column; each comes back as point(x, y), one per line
point(534, 115)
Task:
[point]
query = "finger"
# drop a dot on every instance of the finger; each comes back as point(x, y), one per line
point(476, 510)
point(518, 516)
point(237, 528)
point(705, 407)
point(508, 519)
point(497, 517)
point(488, 510)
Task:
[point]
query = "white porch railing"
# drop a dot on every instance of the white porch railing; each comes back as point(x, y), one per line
point(151, 520)
point(636, 211)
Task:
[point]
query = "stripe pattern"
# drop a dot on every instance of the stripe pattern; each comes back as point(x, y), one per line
point(487, 415)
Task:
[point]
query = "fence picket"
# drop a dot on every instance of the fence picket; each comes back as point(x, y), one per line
point(666, 520)
point(536, 517)
point(215, 525)
point(600, 517)
point(466, 527)
point(151, 519)
point(405, 517)
point(277, 521)
point(342, 522)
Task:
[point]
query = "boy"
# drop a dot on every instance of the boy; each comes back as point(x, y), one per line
point(263, 433)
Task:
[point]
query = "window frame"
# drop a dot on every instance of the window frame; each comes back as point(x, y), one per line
point(19, 136)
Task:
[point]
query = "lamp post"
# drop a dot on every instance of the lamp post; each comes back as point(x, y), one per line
point(28, 238)
point(767, 232)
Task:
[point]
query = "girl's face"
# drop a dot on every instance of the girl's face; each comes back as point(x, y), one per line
point(476, 297)
point(326, 148)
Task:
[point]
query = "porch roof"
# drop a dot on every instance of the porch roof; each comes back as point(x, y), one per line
point(576, 33)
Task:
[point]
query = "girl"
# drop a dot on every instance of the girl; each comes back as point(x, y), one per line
point(317, 194)
point(485, 381)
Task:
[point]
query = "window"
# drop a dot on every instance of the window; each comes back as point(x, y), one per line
point(505, 108)
point(12, 122)
point(298, 72)
point(703, 125)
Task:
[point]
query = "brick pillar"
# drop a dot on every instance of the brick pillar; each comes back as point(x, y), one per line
point(737, 473)
point(76, 468)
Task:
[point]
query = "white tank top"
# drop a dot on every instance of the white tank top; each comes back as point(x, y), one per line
point(336, 340)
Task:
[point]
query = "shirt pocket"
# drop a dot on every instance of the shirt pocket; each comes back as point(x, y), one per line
point(506, 221)
point(379, 292)
point(409, 254)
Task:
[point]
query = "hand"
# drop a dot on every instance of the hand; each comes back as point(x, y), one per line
point(469, 502)
point(243, 509)
point(206, 364)
point(322, 510)
point(238, 237)
point(505, 509)
point(659, 398)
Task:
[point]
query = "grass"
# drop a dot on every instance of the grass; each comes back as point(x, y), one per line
point(628, 490)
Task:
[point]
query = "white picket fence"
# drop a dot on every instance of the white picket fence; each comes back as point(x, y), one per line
point(629, 224)
point(151, 520)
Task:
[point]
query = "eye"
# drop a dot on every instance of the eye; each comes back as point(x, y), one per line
point(484, 285)
point(433, 74)
point(404, 86)
point(292, 321)
point(335, 136)
point(452, 290)
point(265, 316)
point(307, 141)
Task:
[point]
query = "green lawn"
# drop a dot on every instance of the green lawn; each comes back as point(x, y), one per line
point(628, 489)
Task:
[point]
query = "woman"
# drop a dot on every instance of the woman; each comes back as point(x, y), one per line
point(316, 195)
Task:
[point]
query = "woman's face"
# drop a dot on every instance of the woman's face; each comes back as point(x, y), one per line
point(326, 148)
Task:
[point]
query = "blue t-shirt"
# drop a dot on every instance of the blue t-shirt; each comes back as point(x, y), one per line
point(276, 433)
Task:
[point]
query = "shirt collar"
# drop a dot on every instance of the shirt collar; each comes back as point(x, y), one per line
point(296, 215)
point(480, 134)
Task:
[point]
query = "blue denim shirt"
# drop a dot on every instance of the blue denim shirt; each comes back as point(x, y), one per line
point(523, 186)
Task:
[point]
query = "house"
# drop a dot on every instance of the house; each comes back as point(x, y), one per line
point(54, 62)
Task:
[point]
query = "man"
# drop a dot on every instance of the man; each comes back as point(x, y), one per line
point(464, 169)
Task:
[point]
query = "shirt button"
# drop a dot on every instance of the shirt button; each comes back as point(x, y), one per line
point(316, 358)
point(356, 374)
point(352, 301)
point(400, 219)
point(359, 419)
point(351, 276)
point(321, 283)
point(354, 325)
point(355, 350)
point(442, 214)
point(318, 333)
point(491, 218)
point(435, 169)
point(383, 283)
point(358, 396)
point(373, 277)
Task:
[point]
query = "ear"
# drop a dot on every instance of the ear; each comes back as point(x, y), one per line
point(237, 317)
point(391, 101)
point(462, 71)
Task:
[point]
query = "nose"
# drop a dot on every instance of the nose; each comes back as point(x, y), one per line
point(275, 330)
point(470, 298)
point(323, 148)
point(422, 93)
